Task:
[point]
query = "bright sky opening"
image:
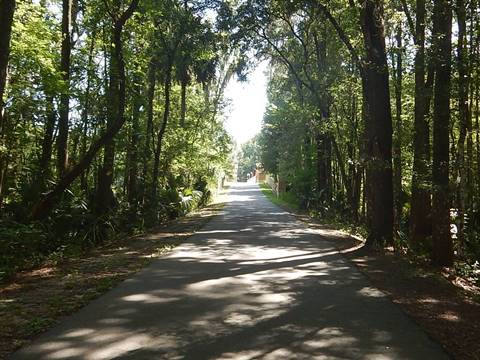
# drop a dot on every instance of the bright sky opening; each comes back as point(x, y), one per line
point(248, 102)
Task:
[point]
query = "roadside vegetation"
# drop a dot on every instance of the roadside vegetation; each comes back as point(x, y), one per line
point(286, 200)
point(111, 121)
point(381, 135)
point(38, 299)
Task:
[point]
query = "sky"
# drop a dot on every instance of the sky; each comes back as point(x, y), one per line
point(247, 105)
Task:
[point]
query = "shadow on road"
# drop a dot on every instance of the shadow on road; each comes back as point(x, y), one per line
point(254, 283)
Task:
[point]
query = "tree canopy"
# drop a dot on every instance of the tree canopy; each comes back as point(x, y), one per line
point(111, 119)
point(373, 116)
point(111, 115)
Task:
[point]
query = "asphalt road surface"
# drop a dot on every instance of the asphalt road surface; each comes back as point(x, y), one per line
point(254, 283)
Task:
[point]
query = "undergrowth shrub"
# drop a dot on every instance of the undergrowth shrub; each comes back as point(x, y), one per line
point(21, 246)
point(74, 227)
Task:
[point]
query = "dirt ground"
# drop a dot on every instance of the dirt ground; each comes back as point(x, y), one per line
point(446, 311)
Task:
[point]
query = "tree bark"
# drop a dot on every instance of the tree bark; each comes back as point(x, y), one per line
point(183, 102)
point(463, 115)
point(378, 127)
point(86, 110)
point(148, 149)
point(397, 149)
point(442, 34)
point(420, 212)
point(7, 8)
point(47, 142)
point(62, 138)
point(161, 132)
point(132, 187)
point(470, 195)
point(324, 171)
point(105, 199)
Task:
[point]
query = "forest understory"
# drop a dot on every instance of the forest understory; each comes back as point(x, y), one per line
point(35, 300)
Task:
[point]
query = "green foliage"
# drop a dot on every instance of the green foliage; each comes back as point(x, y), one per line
point(469, 271)
point(312, 138)
point(22, 245)
point(195, 153)
point(287, 200)
point(248, 159)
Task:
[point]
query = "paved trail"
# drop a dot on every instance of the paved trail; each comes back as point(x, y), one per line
point(254, 283)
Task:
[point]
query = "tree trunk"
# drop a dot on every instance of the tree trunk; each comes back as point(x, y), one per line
point(442, 32)
point(86, 110)
point(62, 138)
point(354, 170)
point(183, 100)
point(7, 8)
point(463, 115)
point(47, 142)
point(477, 134)
point(420, 212)
point(149, 145)
point(132, 191)
point(43, 207)
point(161, 132)
point(470, 194)
point(378, 127)
point(105, 199)
point(323, 160)
point(397, 149)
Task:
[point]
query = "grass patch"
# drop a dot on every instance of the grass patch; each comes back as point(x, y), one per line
point(37, 324)
point(338, 223)
point(289, 202)
point(286, 200)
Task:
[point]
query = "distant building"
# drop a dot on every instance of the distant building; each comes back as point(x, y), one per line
point(259, 175)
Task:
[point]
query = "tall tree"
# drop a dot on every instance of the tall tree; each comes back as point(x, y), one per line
point(378, 119)
point(43, 207)
point(62, 138)
point(420, 211)
point(132, 167)
point(167, 84)
point(150, 95)
point(397, 148)
point(442, 37)
point(105, 196)
point(378, 127)
point(47, 141)
point(463, 114)
point(7, 8)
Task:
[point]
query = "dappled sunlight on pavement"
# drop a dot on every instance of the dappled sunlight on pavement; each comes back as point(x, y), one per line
point(254, 283)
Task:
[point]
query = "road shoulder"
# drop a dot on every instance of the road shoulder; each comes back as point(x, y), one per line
point(36, 300)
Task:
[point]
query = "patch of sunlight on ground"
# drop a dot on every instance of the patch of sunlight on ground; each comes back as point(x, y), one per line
point(243, 355)
point(149, 298)
point(371, 292)
point(449, 316)
point(215, 231)
point(120, 347)
point(78, 332)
